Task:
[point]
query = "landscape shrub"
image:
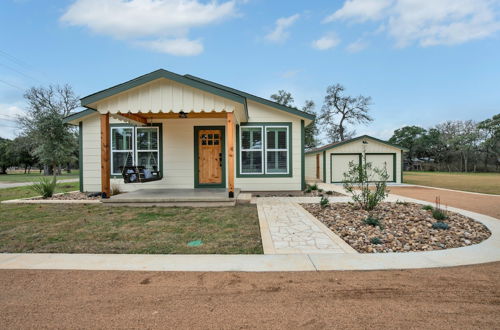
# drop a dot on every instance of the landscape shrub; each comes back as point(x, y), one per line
point(115, 190)
point(357, 182)
point(324, 202)
point(329, 192)
point(313, 187)
point(375, 222)
point(375, 240)
point(45, 186)
point(440, 225)
point(439, 214)
point(427, 207)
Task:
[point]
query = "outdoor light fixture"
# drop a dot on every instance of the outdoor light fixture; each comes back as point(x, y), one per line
point(365, 142)
point(182, 114)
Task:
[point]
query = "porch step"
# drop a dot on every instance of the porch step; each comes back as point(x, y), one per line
point(212, 197)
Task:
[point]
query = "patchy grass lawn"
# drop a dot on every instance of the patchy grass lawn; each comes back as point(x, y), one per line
point(488, 183)
point(105, 229)
point(25, 191)
point(19, 176)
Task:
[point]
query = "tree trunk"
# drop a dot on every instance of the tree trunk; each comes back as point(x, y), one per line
point(68, 167)
point(341, 129)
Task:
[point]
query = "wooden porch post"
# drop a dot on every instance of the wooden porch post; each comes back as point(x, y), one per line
point(105, 154)
point(230, 152)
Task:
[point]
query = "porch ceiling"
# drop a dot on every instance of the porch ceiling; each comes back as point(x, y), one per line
point(143, 118)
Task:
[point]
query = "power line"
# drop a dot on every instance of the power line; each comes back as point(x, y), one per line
point(12, 85)
point(20, 62)
point(21, 73)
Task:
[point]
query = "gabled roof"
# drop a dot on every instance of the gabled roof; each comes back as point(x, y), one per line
point(340, 143)
point(195, 82)
point(254, 98)
point(78, 115)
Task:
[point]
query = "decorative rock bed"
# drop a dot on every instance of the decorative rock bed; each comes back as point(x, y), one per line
point(75, 195)
point(404, 227)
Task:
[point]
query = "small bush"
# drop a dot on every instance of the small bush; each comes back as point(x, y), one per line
point(45, 186)
point(398, 202)
point(307, 191)
point(375, 240)
point(439, 214)
point(324, 202)
point(427, 207)
point(440, 225)
point(320, 190)
point(329, 192)
point(373, 222)
point(313, 187)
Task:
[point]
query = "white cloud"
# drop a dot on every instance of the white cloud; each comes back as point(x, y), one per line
point(8, 124)
point(360, 10)
point(280, 33)
point(165, 21)
point(290, 74)
point(326, 42)
point(427, 23)
point(357, 46)
point(179, 47)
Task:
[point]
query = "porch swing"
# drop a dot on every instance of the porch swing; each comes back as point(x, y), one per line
point(140, 174)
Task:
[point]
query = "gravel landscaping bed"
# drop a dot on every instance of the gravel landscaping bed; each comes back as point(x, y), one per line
point(313, 193)
point(69, 196)
point(403, 227)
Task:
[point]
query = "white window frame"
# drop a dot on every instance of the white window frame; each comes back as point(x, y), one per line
point(277, 149)
point(262, 149)
point(131, 151)
point(157, 150)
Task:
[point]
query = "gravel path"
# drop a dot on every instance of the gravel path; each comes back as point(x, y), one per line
point(468, 298)
point(489, 205)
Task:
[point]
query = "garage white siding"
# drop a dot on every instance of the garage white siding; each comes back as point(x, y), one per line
point(378, 153)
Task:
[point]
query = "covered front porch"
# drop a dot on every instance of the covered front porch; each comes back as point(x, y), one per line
point(184, 135)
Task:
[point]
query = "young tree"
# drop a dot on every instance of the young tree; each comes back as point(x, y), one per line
point(340, 109)
point(23, 150)
point(311, 131)
point(491, 143)
point(283, 97)
point(43, 123)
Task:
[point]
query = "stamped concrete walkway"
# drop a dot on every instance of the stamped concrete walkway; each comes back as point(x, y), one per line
point(286, 228)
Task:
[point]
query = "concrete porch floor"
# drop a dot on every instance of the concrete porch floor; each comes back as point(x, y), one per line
point(169, 196)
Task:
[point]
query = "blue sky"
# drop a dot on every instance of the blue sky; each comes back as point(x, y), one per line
point(422, 62)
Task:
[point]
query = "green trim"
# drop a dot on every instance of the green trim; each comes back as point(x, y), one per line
point(324, 166)
point(402, 164)
point(160, 136)
point(264, 137)
point(78, 115)
point(80, 154)
point(394, 179)
point(161, 73)
point(302, 155)
point(338, 144)
point(197, 184)
point(255, 98)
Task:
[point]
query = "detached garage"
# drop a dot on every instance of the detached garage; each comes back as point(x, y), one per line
point(330, 162)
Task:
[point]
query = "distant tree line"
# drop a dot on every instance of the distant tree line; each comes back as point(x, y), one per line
point(462, 146)
point(44, 140)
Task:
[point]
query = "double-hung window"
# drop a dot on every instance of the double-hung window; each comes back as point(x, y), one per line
point(276, 150)
point(134, 146)
point(252, 147)
point(264, 149)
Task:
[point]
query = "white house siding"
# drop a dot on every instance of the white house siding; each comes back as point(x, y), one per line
point(357, 147)
point(178, 153)
point(311, 166)
point(261, 113)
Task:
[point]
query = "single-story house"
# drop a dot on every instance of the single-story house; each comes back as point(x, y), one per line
point(169, 131)
point(329, 163)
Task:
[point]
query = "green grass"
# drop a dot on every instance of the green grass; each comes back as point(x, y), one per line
point(25, 191)
point(60, 228)
point(488, 183)
point(17, 176)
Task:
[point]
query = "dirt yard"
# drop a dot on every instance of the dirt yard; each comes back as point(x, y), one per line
point(468, 297)
point(489, 205)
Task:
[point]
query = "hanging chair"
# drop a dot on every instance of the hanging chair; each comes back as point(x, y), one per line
point(140, 174)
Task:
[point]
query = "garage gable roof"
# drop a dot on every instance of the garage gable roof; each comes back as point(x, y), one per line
point(340, 143)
